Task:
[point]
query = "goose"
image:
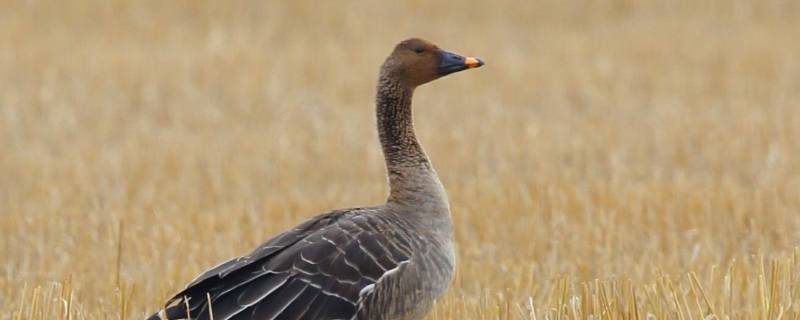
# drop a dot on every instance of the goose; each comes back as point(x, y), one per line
point(390, 261)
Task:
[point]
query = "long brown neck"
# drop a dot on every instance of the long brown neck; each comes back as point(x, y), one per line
point(411, 176)
point(396, 126)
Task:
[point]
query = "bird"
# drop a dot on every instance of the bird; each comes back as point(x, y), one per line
point(390, 261)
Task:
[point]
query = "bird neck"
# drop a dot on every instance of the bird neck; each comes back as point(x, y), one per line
point(412, 179)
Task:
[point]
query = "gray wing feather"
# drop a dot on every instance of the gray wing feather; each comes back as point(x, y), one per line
point(319, 270)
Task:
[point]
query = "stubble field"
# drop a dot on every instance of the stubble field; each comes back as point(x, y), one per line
point(613, 159)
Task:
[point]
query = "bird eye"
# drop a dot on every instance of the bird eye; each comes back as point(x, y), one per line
point(419, 50)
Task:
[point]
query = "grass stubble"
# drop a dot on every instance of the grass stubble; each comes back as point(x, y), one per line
point(613, 160)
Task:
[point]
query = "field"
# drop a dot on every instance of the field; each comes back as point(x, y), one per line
point(613, 160)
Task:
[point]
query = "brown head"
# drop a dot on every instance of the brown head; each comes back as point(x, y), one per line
point(415, 62)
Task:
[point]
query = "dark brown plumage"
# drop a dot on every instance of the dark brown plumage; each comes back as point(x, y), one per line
point(384, 262)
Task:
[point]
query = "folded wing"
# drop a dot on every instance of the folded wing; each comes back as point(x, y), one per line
point(324, 268)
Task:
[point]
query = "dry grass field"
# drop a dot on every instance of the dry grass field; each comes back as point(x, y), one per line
point(614, 159)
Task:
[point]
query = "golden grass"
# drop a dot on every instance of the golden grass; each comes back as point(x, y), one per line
point(613, 160)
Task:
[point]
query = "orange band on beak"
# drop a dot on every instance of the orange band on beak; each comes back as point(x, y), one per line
point(472, 62)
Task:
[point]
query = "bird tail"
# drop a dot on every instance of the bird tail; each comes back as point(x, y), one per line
point(157, 315)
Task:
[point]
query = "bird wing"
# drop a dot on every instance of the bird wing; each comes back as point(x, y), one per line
point(321, 269)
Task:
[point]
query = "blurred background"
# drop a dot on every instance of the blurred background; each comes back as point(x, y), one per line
point(614, 159)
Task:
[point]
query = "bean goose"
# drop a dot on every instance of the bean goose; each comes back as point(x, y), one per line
point(385, 262)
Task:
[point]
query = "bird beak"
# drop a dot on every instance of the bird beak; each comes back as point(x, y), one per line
point(450, 63)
